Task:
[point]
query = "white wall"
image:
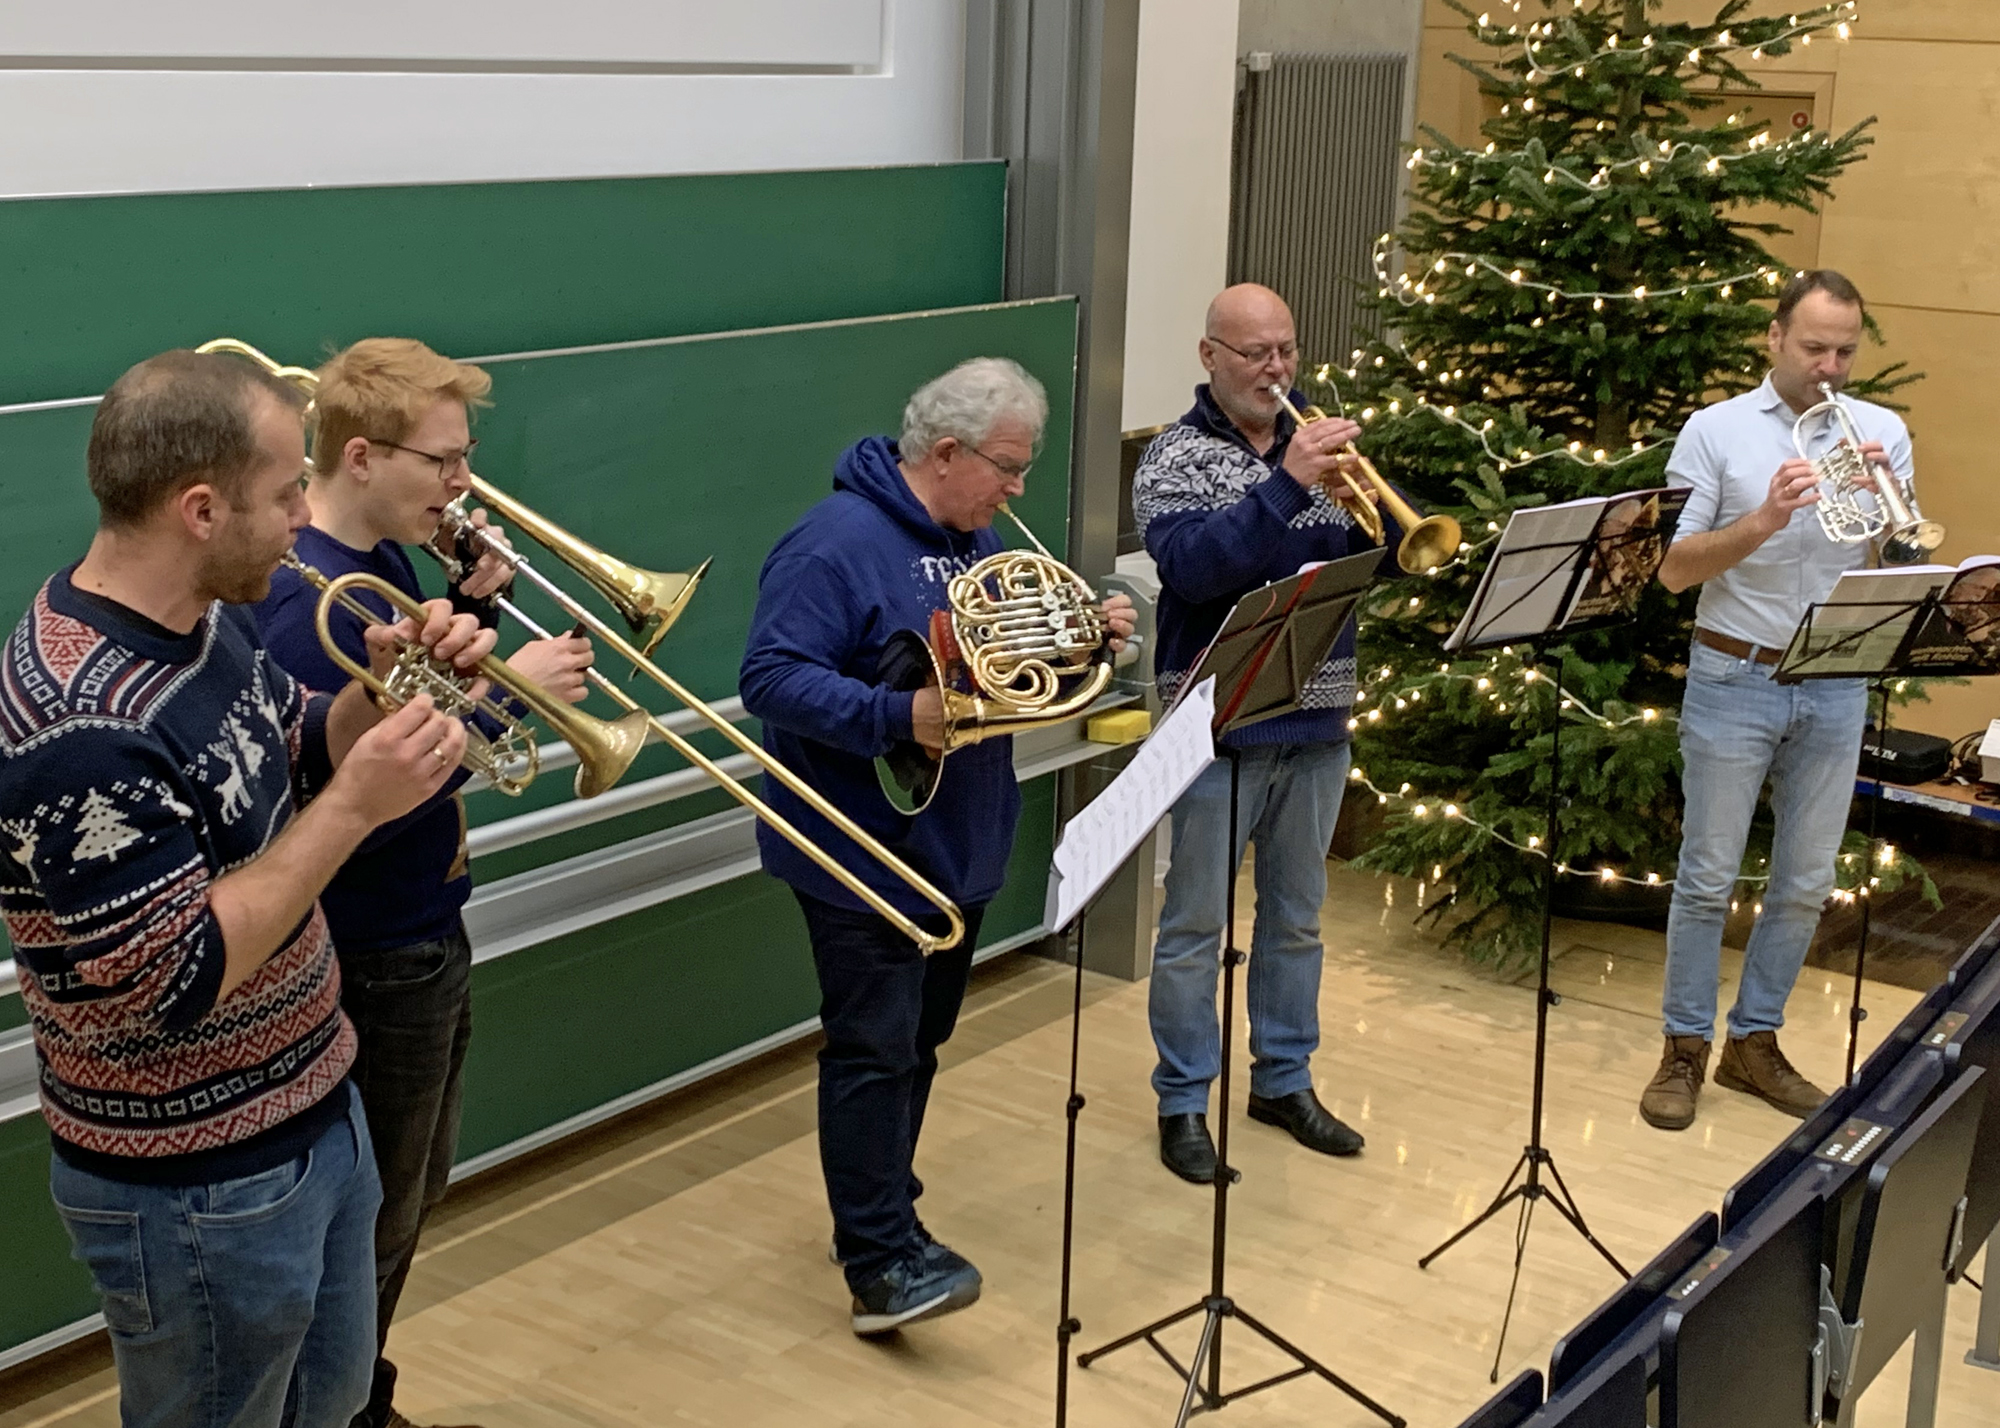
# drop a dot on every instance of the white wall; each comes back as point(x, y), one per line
point(251, 94)
point(1180, 199)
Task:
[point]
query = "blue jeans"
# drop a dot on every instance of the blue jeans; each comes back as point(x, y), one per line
point(1738, 728)
point(886, 1009)
point(1288, 801)
point(245, 1304)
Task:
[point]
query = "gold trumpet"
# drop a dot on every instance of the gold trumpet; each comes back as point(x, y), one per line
point(508, 761)
point(1428, 541)
point(473, 538)
point(1032, 645)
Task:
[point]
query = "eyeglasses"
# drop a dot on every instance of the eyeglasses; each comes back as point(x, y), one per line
point(1258, 356)
point(1005, 468)
point(446, 462)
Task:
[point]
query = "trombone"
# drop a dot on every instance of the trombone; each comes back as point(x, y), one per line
point(508, 760)
point(457, 532)
point(468, 534)
point(1428, 541)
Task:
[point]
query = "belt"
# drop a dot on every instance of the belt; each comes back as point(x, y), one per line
point(1737, 649)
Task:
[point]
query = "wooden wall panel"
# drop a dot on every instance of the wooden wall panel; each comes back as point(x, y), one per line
point(1930, 20)
point(1956, 478)
point(1918, 223)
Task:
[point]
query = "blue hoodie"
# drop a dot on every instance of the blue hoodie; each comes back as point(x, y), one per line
point(861, 565)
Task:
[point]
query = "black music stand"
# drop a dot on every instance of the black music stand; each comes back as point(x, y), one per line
point(1143, 793)
point(1878, 651)
point(1272, 642)
point(1567, 564)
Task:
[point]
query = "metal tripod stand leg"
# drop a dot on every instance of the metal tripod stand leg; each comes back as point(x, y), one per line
point(1524, 1181)
point(1200, 1397)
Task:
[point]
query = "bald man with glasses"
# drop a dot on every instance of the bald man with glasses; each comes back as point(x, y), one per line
point(1229, 498)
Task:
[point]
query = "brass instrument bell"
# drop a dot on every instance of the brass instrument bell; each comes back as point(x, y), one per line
point(1428, 542)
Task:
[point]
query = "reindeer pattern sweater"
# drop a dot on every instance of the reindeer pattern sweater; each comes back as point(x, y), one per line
point(138, 765)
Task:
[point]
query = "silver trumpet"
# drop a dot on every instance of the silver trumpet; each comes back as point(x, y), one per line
point(1894, 519)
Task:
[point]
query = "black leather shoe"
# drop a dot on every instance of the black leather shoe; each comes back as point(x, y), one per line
point(1311, 1124)
point(1185, 1148)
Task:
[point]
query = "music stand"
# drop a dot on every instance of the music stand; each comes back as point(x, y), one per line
point(1270, 644)
point(1094, 845)
point(1557, 568)
point(1876, 646)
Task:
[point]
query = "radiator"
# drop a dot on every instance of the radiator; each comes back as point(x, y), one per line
point(1318, 171)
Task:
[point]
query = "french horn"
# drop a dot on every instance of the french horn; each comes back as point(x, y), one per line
point(1905, 536)
point(1022, 644)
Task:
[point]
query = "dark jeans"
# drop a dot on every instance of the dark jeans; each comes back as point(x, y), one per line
point(412, 1007)
point(886, 1009)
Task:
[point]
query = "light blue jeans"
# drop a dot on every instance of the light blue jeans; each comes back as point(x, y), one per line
point(244, 1304)
point(1738, 728)
point(1287, 804)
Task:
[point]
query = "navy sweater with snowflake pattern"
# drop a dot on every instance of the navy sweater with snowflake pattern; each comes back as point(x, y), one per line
point(138, 765)
point(1220, 520)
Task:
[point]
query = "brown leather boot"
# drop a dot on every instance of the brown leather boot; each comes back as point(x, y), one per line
point(1670, 1096)
point(1755, 1064)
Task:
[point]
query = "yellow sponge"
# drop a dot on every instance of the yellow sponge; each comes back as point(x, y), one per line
point(1118, 726)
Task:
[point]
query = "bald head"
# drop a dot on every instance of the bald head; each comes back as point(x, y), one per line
point(1249, 347)
point(1246, 305)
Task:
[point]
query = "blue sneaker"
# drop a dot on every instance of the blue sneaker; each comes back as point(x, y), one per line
point(934, 1253)
point(913, 1289)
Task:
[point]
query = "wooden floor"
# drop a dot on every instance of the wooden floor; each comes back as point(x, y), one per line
point(672, 1268)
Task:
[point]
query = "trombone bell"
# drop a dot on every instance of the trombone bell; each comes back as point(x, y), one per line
point(649, 600)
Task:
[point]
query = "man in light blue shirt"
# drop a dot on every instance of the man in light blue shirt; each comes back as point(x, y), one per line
point(1750, 537)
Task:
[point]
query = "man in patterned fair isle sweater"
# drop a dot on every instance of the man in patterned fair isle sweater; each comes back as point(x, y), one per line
point(1229, 498)
point(391, 445)
point(211, 1163)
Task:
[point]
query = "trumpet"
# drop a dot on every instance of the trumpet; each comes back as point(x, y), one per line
point(1035, 650)
point(1905, 535)
point(509, 760)
point(474, 540)
point(457, 535)
point(1428, 541)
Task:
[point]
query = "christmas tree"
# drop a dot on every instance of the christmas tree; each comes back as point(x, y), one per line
point(1555, 306)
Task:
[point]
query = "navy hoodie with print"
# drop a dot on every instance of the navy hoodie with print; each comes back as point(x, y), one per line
point(861, 565)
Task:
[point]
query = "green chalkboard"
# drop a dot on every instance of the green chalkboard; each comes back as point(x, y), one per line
point(94, 284)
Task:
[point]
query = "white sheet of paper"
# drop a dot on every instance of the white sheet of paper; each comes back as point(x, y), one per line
point(1110, 828)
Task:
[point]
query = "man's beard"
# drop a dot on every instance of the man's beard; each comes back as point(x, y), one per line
point(236, 577)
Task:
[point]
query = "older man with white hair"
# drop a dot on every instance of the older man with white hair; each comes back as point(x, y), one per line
point(868, 562)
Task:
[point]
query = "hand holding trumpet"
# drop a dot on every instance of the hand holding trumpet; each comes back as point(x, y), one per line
point(1319, 456)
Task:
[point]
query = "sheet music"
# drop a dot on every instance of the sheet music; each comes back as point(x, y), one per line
point(1861, 625)
point(1108, 829)
point(1521, 592)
